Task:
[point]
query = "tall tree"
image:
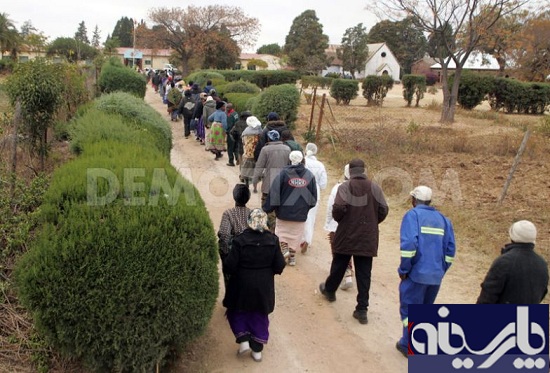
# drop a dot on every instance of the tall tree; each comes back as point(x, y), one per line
point(110, 45)
point(9, 37)
point(306, 44)
point(220, 52)
point(354, 50)
point(35, 40)
point(533, 55)
point(96, 37)
point(82, 33)
point(189, 29)
point(441, 41)
point(273, 49)
point(123, 31)
point(404, 38)
point(469, 20)
point(73, 50)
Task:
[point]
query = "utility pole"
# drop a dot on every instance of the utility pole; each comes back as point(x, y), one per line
point(134, 47)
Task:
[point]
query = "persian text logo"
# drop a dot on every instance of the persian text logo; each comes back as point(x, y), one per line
point(488, 338)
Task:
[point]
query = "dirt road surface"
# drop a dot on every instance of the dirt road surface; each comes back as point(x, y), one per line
point(307, 333)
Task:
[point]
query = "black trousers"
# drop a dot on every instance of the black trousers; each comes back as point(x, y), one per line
point(231, 149)
point(186, 126)
point(363, 268)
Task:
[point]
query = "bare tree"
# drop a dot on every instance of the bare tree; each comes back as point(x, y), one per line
point(188, 29)
point(458, 25)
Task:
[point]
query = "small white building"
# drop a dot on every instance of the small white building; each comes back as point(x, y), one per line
point(380, 61)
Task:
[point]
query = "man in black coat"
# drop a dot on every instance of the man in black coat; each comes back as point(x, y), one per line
point(519, 275)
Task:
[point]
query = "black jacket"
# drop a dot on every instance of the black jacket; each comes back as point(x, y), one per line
point(255, 258)
point(518, 276)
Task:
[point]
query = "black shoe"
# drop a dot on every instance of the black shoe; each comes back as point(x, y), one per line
point(331, 297)
point(402, 349)
point(361, 316)
point(231, 164)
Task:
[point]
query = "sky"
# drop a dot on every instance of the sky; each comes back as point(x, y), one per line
point(60, 18)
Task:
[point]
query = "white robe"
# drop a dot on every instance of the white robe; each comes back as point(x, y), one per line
point(320, 173)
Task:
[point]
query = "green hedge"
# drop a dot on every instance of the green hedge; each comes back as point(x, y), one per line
point(141, 115)
point(344, 90)
point(117, 77)
point(473, 89)
point(262, 78)
point(316, 81)
point(283, 99)
point(123, 284)
point(241, 101)
point(519, 97)
point(413, 85)
point(240, 87)
point(200, 77)
point(375, 88)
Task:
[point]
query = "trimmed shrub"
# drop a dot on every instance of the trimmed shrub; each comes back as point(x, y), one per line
point(413, 85)
point(200, 77)
point(236, 75)
point(283, 99)
point(316, 81)
point(375, 88)
point(344, 90)
point(268, 78)
point(141, 115)
point(472, 89)
point(241, 101)
point(241, 87)
point(121, 276)
point(431, 79)
point(117, 77)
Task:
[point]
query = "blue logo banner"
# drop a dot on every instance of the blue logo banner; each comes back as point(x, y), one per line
point(486, 338)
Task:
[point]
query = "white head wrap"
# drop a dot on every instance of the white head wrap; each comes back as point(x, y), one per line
point(311, 149)
point(523, 231)
point(296, 157)
point(253, 122)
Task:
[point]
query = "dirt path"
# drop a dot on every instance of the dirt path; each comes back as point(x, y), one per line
point(308, 334)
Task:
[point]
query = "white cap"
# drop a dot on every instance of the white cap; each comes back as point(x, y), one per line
point(523, 231)
point(422, 193)
point(295, 157)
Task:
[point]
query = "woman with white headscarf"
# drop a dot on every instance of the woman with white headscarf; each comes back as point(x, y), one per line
point(318, 170)
point(250, 138)
point(292, 194)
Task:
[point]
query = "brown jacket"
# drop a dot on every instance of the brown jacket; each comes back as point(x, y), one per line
point(358, 208)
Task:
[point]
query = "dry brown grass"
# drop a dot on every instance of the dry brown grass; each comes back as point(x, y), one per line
point(478, 149)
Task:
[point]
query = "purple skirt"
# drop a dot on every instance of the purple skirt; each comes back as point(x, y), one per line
point(200, 128)
point(254, 324)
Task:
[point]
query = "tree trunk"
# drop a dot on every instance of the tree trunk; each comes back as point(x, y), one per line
point(450, 96)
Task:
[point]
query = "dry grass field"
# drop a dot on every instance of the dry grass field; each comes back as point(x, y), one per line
point(466, 163)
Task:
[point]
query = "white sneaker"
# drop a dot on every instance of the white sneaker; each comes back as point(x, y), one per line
point(346, 285)
point(257, 356)
point(292, 261)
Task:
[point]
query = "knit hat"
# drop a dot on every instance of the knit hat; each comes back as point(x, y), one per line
point(253, 122)
point(209, 98)
point(220, 104)
point(311, 148)
point(272, 116)
point(356, 167)
point(422, 193)
point(295, 157)
point(241, 194)
point(523, 231)
point(346, 171)
point(273, 135)
point(257, 220)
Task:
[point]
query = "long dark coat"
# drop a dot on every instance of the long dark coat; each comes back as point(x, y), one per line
point(358, 208)
point(255, 258)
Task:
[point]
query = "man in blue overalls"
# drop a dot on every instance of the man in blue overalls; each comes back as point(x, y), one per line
point(427, 252)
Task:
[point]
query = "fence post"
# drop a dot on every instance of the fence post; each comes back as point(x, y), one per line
point(318, 133)
point(314, 96)
point(514, 166)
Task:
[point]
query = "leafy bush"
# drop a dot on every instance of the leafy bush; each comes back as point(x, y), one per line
point(431, 79)
point(334, 75)
point(268, 78)
point(472, 89)
point(241, 101)
point(142, 115)
point(344, 90)
point(413, 85)
point(316, 81)
point(375, 88)
point(200, 77)
point(121, 285)
point(117, 77)
point(283, 99)
point(236, 75)
point(241, 87)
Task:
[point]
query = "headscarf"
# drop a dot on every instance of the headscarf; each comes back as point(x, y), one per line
point(523, 231)
point(257, 220)
point(311, 149)
point(273, 135)
point(253, 122)
point(295, 157)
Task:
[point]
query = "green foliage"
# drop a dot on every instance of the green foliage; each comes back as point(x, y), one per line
point(117, 77)
point(283, 99)
point(263, 78)
point(73, 50)
point(317, 81)
point(344, 90)
point(273, 49)
point(123, 32)
point(241, 101)
point(200, 77)
point(125, 284)
point(143, 116)
point(413, 85)
point(38, 85)
point(258, 63)
point(333, 75)
point(74, 91)
point(240, 87)
point(17, 216)
point(375, 88)
point(354, 50)
point(472, 89)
